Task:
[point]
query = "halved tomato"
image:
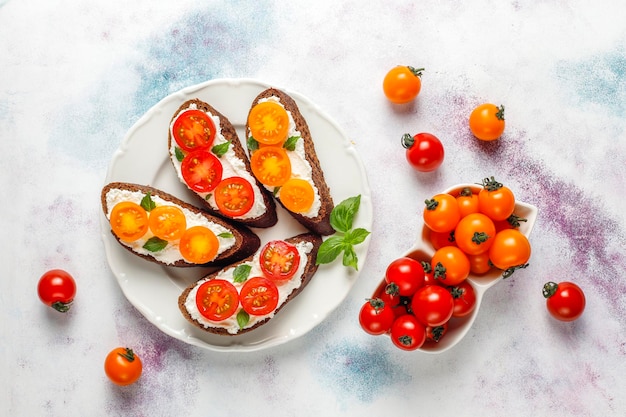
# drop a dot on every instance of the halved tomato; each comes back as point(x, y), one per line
point(297, 195)
point(199, 245)
point(167, 222)
point(217, 299)
point(259, 296)
point(271, 165)
point(193, 129)
point(279, 260)
point(129, 221)
point(269, 123)
point(234, 196)
point(201, 170)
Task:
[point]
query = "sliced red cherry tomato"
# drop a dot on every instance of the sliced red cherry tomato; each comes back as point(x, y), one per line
point(193, 129)
point(271, 165)
point(297, 195)
point(258, 296)
point(234, 196)
point(199, 245)
point(279, 260)
point(201, 170)
point(217, 299)
point(129, 221)
point(269, 123)
point(167, 222)
point(57, 288)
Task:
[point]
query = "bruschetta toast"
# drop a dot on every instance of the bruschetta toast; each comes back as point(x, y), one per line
point(243, 296)
point(211, 161)
point(161, 228)
point(284, 160)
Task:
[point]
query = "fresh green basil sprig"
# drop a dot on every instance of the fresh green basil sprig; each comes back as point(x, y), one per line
point(345, 238)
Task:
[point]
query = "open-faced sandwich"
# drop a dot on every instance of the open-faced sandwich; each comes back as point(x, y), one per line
point(284, 160)
point(161, 228)
point(247, 294)
point(211, 161)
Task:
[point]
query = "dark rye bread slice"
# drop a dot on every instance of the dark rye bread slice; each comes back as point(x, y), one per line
point(246, 242)
point(265, 220)
point(309, 271)
point(321, 223)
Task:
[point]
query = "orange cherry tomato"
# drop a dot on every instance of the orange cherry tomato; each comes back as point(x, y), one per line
point(450, 265)
point(259, 296)
point(123, 366)
point(510, 249)
point(487, 122)
point(402, 84)
point(468, 201)
point(193, 129)
point(201, 170)
point(495, 200)
point(479, 264)
point(217, 299)
point(441, 213)
point(474, 233)
point(234, 196)
point(199, 245)
point(439, 240)
point(167, 222)
point(297, 195)
point(129, 221)
point(271, 165)
point(268, 122)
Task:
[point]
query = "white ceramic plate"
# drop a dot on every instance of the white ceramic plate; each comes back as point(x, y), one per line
point(153, 289)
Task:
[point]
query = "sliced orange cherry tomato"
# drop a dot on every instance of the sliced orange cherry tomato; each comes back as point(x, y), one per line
point(441, 213)
point(468, 201)
point(297, 195)
point(234, 196)
point(269, 123)
point(474, 233)
point(510, 249)
point(123, 366)
point(258, 296)
point(450, 265)
point(167, 222)
point(217, 299)
point(193, 129)
point(495, 200)
point(201, 170)
point(279, 260)
point(487, 121)
point(129, 221)
point(271, 165)
point(199, 245)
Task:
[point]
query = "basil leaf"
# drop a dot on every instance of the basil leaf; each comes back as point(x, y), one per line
point(147, 203)
point(342, 216)
point(155, 244)
point(220, 149)
point(356, 236)
point(276, 190)
point(253, 145)
point(179, 154)
point(290, 143)
point(349, 257)
point(243, 318)
point(241, 273)
point(329, 250)
point(225, 235)
point(208, 196)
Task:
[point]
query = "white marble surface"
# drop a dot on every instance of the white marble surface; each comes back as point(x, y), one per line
point(76, 75)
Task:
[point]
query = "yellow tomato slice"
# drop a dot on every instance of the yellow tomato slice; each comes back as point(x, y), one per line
point(269, 123)
point(167, 222)
point(199, 245)
point(129, 221)
point(271, 165)
point(297, 195)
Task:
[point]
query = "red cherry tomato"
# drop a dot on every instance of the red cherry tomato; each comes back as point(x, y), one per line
point(407, 273)
point(57, 288)
point(376, 317)
point(234, 196)
point(402, 83)
point(424, 151)
point(565, 301)
point(217, 299)
point(390, 295)
point(279, 260)
point(432, 305)
point(201, 170)
point(258, 296)
point(434, 334)
point(408, 333)
point(464, 298)
point(193, 129)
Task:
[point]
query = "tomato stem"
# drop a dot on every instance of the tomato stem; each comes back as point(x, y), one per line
point(431, 204)
point(466, 192)
point(405, 340)
point(512, 269)
point(500, 113)
point(549, 289)
point(480, 237)
point(416, 71)
point(128, 354)
point(514, 220)
point(491, 184)
point(407, 140)
point(376, 303)
point(61, 307)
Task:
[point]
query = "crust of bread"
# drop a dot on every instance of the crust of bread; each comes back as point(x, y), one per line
point(321, 223)
point(309, 271)
point(247, 242)
point(270, 217)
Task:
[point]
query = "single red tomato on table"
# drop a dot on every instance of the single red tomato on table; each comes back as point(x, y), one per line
point(486, 121)
point(123, 366)
point(376, 317)
point(565, 301)
point(402, 83)
point(57, 289)
point(424, 151)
